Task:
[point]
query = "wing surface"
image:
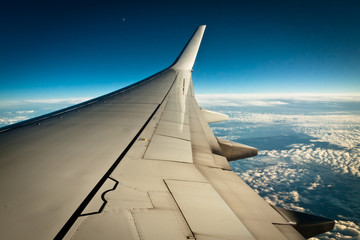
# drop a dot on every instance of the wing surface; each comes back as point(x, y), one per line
point(138, 163)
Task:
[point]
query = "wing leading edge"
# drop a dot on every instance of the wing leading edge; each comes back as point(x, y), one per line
point(139, 163)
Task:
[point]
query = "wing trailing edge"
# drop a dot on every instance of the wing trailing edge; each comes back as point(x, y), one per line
point(186, 59)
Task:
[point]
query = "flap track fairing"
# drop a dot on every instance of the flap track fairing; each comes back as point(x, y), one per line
point(212, 116)
point(306, 224)
point(235, 151)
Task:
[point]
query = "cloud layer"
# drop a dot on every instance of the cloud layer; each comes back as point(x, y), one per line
point(309, 155)
point(271, 99)
point(342, 131)
point(309, 148)
point(15, 111)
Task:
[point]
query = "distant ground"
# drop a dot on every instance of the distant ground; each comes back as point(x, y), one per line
point(309, 148)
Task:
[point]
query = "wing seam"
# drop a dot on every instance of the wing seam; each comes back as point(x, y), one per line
point(63, 231)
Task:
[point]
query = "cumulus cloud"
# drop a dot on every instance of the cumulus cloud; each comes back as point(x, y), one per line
point(12, 119)
point(315, 184)
point(346, 161)
point(285, 180)
point(295, 195)
point(339, 130)
point(271, 181)
point(342, 230)
point(314, 165)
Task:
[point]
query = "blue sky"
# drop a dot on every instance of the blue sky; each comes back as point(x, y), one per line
point(63, 49)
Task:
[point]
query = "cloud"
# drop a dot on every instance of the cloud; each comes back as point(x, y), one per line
point(209, 101)
point(342, 230)
point(285, 179)
point(346, 161)
point(295, 195)
point(272, 180)
point(10, 120)
point(315, 184)
point(19, 110)
point(26, 111)
point(271, 99)
point(8, 117)
point(342, 132)
point(314, 164)
point(59, 100)
point(299, 119)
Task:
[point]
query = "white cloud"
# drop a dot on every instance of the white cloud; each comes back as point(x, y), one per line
point(306, 175)
point(340, 130)
point(346, 161)
point(342, 230)
point(298, 119)
point(11, 120)
point(295, 195)
point(59, 100)
point(209, 101)
point(270, 99)
point(263, 180)
point(26, 111)
point(315, 184)
point(277, 174)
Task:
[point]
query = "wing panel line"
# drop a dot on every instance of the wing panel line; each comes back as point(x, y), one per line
point(63, 231)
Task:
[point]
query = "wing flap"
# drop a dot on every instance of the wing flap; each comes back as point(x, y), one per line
point(219, 223)
point(178, 150)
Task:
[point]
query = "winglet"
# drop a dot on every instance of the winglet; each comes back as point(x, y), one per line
point(187, 56)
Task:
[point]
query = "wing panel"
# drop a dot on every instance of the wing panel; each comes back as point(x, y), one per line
point(119, 225)
point(174, 116)
point(138, 163)
point(155, 224)
point(176, 149)
point(201, 149)
point(289, 231)
point(173, 129)
point(49, 167)
point(195, 200)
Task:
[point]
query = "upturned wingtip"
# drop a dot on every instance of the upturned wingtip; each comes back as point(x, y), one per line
point(187, 57)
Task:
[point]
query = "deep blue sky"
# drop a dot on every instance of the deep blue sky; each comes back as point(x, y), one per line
point(60, 49)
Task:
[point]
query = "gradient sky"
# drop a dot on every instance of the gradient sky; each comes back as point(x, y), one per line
point(62, 49)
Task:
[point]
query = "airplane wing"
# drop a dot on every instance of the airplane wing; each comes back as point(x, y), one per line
point(137, 163)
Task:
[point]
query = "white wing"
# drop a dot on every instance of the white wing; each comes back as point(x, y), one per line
point(138, 163)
